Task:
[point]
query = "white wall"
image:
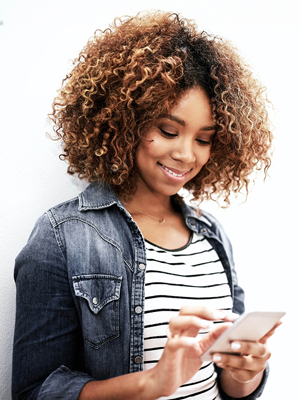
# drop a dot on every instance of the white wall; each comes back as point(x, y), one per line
point(37, 41)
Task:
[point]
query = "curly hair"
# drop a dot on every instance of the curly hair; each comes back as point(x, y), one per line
point(127, 76)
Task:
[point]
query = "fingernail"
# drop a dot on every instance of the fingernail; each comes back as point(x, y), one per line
point(217, 314)
point(206, 324)
point(232, 316)
point(217, 358)
point(235, 346)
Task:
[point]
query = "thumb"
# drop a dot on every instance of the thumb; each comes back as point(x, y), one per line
point(209, 339)
point(270, 333)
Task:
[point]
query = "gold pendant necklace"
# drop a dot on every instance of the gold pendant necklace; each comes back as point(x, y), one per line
point(160, 220)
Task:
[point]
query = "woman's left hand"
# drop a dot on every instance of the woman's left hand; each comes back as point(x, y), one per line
point(249, 361)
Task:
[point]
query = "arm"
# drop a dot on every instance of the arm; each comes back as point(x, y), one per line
point(236, 389)
point(47, 330)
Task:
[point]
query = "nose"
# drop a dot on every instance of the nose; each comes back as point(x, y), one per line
point(184, 151)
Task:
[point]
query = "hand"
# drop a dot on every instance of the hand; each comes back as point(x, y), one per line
point(181, 357)
point(250, 360)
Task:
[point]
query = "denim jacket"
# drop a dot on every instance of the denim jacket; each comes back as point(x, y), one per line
point(80, 295)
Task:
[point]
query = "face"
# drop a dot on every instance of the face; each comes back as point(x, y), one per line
point(177, 145)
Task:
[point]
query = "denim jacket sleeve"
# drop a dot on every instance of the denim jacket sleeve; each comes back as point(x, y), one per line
point(47, 327)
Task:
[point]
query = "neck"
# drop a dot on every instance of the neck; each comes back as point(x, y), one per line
point(155, 205)
point(154, 210)
point(153, 202)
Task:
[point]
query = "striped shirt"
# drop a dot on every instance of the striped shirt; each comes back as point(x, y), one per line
point(191, 275)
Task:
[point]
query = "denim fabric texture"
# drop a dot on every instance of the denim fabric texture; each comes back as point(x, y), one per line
point(80, 291)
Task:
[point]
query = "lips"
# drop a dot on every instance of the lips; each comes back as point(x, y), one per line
point(178, 173)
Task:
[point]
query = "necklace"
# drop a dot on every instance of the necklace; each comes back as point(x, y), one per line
point(160, 220)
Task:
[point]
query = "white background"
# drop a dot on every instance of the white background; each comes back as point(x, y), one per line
point(38, 38)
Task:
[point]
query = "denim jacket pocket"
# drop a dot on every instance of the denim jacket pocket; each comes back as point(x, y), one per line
point(99, 303)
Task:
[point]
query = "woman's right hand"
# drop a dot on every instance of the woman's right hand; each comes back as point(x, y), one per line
point(181, 357)
point(179, 362)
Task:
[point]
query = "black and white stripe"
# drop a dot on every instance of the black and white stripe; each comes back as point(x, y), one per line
point(192, 275)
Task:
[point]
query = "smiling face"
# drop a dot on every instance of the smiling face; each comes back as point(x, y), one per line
point(177, 146)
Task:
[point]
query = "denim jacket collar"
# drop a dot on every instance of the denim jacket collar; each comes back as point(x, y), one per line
point(90, 200)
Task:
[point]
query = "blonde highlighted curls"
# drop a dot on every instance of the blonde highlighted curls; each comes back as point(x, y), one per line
point(130, 74)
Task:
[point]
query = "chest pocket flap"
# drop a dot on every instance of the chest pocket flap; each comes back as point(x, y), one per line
point(99, 303)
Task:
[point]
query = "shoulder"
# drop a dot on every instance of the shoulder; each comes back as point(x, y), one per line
point(43, 236)
point(63, 211)
point(204, 218)
point(204, 222)
point(95, 197)
point(216, 227)
point(212, 221)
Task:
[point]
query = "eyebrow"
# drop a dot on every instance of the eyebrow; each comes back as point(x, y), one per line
point(182, 122)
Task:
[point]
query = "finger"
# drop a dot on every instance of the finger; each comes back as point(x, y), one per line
point(187, 325)
point(256, 349)
point(208, 314)
point(212, 336)
point(242, 363)
point(184, 342)
point(270, 333)
point(231, 317)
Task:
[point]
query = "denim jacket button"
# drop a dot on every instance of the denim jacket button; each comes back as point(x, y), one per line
point(142, 266)
point(203, 230)
point(138, 360)
point(95, 300)
point(138, 309)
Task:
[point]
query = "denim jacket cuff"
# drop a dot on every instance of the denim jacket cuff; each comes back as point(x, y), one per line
point(63, 384)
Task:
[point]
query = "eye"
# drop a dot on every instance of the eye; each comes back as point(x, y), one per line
point(167, 134)
point(203, 142)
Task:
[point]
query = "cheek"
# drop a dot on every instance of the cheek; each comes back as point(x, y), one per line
point(155, 149)
point(203, 156)
point(146, 155)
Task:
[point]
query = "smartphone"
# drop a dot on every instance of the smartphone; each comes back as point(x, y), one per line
point(250, 326)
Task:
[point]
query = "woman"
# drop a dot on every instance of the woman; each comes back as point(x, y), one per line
point(117, 289)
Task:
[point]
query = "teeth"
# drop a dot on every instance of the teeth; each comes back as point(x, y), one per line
point(171, 172)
